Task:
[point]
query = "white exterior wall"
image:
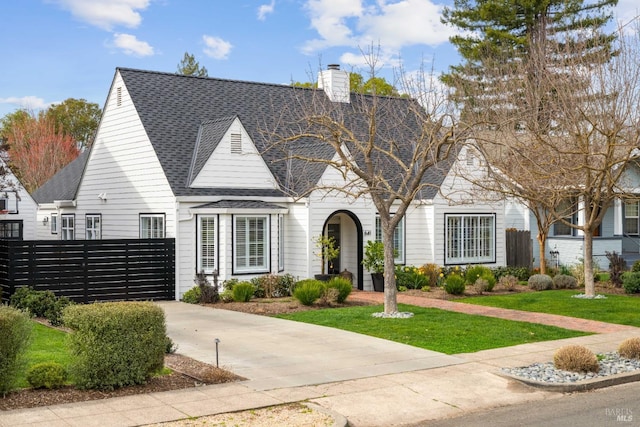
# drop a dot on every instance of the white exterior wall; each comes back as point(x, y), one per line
point(457, 196)
point(123, 166)
point(296, 235)
point(22, 207)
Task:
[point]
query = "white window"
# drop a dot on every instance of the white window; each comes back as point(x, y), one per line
point(398, 239)
point(470, 238)
point(251, 244)
point(152, 226)
point(67, 227)
point(93, 227)
point(567, 210)
point(54, 223)
point(631, 217)
point(280, 242)
point(207, 244)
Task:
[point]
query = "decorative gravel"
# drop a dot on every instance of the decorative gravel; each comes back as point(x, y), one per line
point(611, 364)
point(396, 315)
point(584, 296)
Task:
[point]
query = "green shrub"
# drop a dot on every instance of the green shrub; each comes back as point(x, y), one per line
point(410, 277)
point(540, 282)
point(115, 344)
point(426, 288)
point(481, 285)
point(40, 304)
point(576, 358)
point(474, 272)
point(454, 284)
point(169, 346)
point(226, 295)
point(308, 291)
point(520, 273)
point(243, 291)
point(563, 281)
point(15, 328)
point(343, 286)
point(630, 348)
point(272, 286)
point(192, 296)
point(230, 283)
point(636, 266)
point(47, 375)
point(631, 282)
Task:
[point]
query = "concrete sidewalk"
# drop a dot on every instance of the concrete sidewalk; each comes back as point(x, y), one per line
point(370, 383)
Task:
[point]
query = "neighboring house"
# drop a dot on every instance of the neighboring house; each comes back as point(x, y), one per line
point(182, 157)
point(56, 201)
point(17, 209)
point(619, 231)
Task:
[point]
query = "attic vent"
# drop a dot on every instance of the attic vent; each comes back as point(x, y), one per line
point(119, 96)
point(470, 158)
point(236, 143)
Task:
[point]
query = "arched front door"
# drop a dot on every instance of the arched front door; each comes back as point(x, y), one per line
point(345, 227)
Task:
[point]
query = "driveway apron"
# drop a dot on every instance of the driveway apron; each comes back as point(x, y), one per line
point(274, 353)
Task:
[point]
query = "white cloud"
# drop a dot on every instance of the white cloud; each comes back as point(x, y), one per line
point(106, 14)
point(216, 48)
point(131, 45)
point(28, 102)
point(359, 23)
point(266, 9)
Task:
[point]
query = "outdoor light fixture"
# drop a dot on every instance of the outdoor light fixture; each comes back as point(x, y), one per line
point(45, 220)
point(217, 341)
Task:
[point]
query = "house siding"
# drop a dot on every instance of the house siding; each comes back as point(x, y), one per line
point(124, 166)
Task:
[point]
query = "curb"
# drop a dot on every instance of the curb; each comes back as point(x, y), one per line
point(339, 420)
point(592, 384)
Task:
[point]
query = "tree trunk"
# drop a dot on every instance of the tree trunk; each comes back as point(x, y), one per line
point(589, 284)
point(390, 291)
point(542, 240)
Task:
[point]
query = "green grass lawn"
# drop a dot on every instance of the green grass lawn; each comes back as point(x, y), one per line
point(433, 329)
point(620, 309)
point(47, 345)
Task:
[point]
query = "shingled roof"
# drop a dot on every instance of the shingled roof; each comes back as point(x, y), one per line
point(185, 116)
point(64, 184)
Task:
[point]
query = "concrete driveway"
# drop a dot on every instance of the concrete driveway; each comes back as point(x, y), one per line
point(275, 353)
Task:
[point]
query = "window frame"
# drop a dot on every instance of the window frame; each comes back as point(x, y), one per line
point(54, 223)
point(635, 218)
point(67, 231)
point(264, 267)
point(200, 245)
point(463, 237)
point(399, 239)
point(561, 229)
point(97, 230)
point(153, 217)
point(11, 222)
point(281, 243)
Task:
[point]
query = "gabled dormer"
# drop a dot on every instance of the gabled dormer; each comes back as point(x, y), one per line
point(226, 157)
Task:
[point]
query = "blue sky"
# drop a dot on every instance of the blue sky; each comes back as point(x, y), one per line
point(52, 50)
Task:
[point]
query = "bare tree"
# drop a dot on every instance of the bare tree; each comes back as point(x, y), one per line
point(575, 160)
point(383, 147)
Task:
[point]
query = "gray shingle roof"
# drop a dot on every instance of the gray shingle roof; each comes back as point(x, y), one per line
point(185, 116)
point(64, 184)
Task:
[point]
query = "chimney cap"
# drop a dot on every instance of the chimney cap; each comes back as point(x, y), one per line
point(333, 67)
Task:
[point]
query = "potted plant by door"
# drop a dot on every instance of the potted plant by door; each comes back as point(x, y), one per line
point(374, 262)
point(327, 251)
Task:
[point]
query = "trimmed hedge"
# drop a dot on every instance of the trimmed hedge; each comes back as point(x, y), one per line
point(15, 328)
point(115, 344)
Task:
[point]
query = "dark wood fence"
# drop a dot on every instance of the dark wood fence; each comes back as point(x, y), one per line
point(519, 248)
point(90, 270)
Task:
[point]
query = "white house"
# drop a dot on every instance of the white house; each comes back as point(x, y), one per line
point(17, 208)
point(183, 157)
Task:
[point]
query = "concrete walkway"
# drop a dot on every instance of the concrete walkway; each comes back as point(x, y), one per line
point(372, 382)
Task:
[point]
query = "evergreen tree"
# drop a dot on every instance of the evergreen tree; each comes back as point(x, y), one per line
point(190, 67)
point(497, 36)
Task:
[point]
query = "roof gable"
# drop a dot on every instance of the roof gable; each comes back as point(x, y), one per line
point(225, 156)
point(64, 184)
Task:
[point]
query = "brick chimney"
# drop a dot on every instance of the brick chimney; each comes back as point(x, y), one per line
point(335, 83)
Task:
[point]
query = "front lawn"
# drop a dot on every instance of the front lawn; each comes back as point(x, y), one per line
point(620, 309)
point(433, 329)
point(47, 345)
